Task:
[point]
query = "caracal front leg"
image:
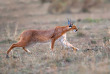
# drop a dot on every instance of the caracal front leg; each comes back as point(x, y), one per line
point(65, 43)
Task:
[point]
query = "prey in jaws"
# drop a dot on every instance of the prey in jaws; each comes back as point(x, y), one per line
point(30, 37)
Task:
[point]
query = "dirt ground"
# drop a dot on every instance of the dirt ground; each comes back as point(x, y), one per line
point(92, 38)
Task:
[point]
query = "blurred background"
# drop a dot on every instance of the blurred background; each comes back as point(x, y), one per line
point(92, 17)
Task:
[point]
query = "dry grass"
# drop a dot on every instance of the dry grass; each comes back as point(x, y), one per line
point(92, 58)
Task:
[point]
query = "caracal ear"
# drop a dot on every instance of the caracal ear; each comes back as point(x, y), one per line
point(69, 21)
point(74, 25)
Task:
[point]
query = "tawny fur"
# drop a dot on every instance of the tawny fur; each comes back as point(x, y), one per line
point(29, 37)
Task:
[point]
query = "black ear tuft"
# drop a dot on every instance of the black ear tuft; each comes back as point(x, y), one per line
point(70, 23)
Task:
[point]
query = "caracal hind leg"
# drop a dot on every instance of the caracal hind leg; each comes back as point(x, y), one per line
point(12, 46)
point(19, 44)
point(26, 50)
point(52, 44)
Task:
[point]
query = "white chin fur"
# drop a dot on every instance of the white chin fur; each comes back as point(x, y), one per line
point(74, 30)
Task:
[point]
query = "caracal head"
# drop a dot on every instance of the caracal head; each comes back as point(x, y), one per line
point(72, 26)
